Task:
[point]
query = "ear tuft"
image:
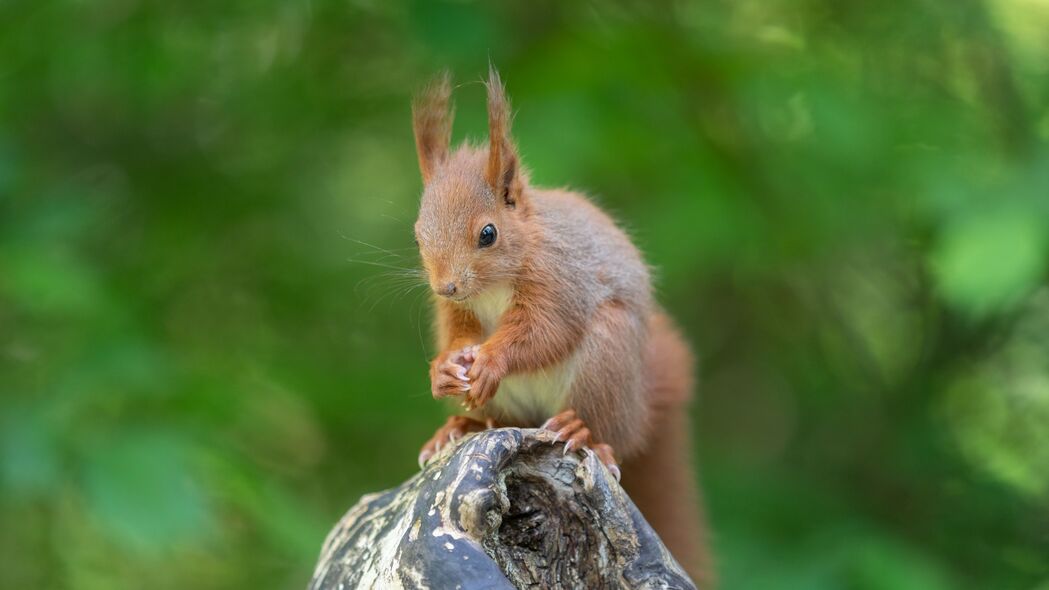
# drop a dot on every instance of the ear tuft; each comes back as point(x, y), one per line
point(501, 172)
point(432, 115)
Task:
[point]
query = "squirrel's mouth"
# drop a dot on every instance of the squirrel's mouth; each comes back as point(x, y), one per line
point(456, 298)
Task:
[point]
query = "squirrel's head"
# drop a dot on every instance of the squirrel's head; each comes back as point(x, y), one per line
point(471, 229)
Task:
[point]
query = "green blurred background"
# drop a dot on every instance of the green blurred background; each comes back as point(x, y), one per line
point(207, 352)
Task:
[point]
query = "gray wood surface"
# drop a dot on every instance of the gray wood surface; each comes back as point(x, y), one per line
point(505, 508)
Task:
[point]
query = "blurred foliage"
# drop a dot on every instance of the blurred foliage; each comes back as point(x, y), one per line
point(208, 350)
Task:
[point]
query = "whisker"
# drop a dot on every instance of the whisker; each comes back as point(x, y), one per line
point(395, 253)
point(398, 205)
point(419, 328)
point(393, 218)
point(383, 265)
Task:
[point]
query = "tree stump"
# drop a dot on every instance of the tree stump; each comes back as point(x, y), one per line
point(504, 508)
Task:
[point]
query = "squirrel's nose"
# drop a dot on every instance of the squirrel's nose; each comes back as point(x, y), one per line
point(448, 290)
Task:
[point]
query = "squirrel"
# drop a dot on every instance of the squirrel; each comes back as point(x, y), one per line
point(545, 317)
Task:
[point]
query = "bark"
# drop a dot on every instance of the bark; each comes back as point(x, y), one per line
point(504, 508)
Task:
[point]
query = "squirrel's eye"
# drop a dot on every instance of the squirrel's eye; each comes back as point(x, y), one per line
point(487, 236)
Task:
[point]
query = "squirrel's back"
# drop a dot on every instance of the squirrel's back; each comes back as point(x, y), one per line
point(592, 258)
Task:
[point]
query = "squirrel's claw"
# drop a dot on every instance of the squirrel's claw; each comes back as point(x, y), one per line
point(424, 456)
point(569, 427)
point(453, 429)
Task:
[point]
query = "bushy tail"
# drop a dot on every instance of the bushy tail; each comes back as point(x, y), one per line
point(662, 480)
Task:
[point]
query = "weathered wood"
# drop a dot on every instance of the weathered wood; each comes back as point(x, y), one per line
point(504, 508)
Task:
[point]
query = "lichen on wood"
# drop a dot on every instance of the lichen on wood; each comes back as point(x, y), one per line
point(504, 508)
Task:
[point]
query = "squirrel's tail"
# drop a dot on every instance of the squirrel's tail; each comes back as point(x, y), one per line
point(662, 480)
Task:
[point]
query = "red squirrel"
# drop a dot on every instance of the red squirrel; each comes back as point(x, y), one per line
point(545, 318)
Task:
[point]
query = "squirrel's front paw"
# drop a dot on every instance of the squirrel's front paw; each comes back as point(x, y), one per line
point(448, 373)
point(484, 375)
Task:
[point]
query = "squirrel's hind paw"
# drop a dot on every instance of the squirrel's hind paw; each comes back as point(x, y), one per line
point(571, 429)
point(453, 429)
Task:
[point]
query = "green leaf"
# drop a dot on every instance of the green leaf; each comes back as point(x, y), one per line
point(983, 264)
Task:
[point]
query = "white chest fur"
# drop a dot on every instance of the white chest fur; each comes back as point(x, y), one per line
point(490, 305)
point(529, 397)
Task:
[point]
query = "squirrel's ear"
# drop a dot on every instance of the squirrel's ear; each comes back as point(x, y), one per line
point(503, 170)
point(432, 122)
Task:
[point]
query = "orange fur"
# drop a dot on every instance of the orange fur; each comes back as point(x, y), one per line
point(432, 123)
point(559, 314)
